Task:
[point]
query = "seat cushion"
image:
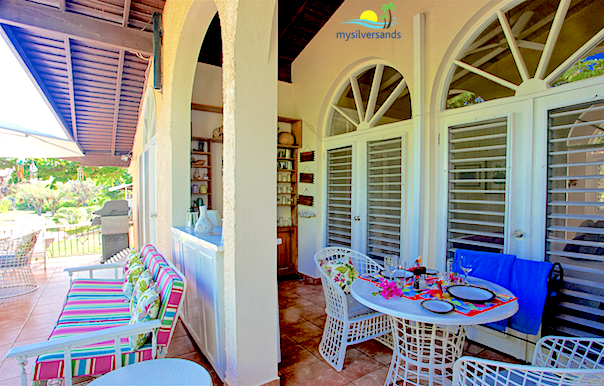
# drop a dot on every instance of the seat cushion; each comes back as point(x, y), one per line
point(96, 287)
point(80, 309)
point(93, 359)
point(355, 308)
point(342, 272)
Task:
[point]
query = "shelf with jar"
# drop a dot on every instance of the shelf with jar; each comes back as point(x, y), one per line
point(201, 171)
point(290, 140)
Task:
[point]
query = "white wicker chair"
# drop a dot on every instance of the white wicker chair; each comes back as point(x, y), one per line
point(557, 361)
point(348, 322)
point(16, 277)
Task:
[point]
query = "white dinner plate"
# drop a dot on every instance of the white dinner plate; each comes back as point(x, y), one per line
point(397, 273)
point(438, 306)
point(470, 293)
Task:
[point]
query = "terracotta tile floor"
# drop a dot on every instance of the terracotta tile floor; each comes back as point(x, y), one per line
point(29, 318)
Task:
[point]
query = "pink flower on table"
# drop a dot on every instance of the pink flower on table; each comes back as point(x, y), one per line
point(389, 289)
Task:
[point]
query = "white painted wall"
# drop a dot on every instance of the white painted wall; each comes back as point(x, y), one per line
point(327, 60)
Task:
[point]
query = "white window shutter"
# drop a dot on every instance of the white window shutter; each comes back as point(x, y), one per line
point(477, 182)
point(575, 219)
point(384, 185)
point(339, 197)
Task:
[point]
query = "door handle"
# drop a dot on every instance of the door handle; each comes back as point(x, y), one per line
point(518, 234)
point(152, 214)
point(357, 218)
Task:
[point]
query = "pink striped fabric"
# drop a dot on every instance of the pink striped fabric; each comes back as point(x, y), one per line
point(96, 304)
point(84, 309)
point(96, 287)
point(94, 359)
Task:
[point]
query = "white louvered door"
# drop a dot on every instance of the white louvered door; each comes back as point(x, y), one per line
point(575, 214)
point(339, 197)
point(384, 194)
point(487, 202)
point(477, 182)
point(364, 195)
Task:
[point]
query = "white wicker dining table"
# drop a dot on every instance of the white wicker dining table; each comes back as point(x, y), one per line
point(426, 344)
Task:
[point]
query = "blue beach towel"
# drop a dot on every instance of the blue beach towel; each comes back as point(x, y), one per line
point(494, 267)
point(529, 283)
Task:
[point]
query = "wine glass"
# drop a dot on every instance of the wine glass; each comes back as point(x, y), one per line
point(391, 265)
point(466, 265)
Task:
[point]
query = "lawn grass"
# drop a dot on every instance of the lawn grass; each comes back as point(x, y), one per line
point(8, 218)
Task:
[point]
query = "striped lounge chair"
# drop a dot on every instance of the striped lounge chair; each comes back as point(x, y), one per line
point(98, 307)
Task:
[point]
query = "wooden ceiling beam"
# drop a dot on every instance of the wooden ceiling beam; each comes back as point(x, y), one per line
point(74, 124)
point(29, 15)
point(127, 4)
point(118, 91)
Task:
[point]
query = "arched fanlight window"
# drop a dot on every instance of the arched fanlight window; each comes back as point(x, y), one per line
point(374, 96)
point(535, 45)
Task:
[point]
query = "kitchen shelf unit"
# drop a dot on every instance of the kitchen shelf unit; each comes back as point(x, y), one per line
point(287, 169)
point(205, 169)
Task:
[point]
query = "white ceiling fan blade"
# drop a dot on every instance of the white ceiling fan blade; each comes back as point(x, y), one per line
point(531, 45)
point(521, 23)
point(483, 48)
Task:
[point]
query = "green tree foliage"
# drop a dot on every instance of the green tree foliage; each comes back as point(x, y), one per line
point(581, 70)
point(5, 205)
point(83, 192)
point(34, 194)
point(70, 215)
point(464, 99)
point(64, 171)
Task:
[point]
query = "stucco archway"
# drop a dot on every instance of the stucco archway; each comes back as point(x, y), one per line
point(249, 38)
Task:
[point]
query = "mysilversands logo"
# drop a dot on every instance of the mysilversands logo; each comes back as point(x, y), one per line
point(369, 19)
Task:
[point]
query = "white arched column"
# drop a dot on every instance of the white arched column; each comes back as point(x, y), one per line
point(185, 23)
point(249, 35)
point(249, 73)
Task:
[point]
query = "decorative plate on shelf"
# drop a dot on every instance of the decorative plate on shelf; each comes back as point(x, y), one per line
point(438, 306)
point(470, 293)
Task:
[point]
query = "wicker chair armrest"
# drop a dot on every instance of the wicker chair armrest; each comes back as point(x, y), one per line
point(470, 371)
point(569, 352)
point(336, 303)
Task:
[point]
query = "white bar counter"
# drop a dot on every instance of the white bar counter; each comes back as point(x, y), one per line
point(201, 260)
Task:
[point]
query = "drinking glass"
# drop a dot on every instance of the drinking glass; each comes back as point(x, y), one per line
point(466, 265)
point(391, 265)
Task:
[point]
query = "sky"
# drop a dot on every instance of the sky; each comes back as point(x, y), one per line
point(20, 102)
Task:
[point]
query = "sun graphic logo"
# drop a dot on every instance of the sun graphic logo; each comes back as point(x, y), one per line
point(370, 19)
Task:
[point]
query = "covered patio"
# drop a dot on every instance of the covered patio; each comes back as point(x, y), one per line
point(30, 318)
point(463, 127)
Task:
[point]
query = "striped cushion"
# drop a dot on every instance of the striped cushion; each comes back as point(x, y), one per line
point(96, 287)
point(92, 359)
point(99, 308)
point(170, 289)
point(153, 260)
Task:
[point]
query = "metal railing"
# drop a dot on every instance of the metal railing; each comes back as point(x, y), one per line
point(68, 240)
point(78, 239)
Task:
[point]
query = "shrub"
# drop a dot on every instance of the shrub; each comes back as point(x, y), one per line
point(5, 205)
point(71, 215)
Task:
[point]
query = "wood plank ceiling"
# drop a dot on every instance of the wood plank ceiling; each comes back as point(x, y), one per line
point(89, 59)
point(299, 22)
point(95, 87)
